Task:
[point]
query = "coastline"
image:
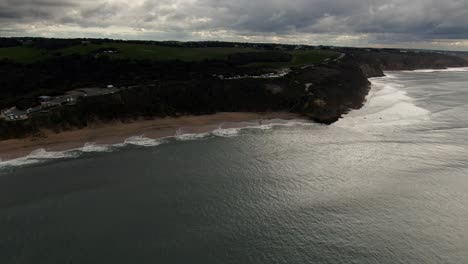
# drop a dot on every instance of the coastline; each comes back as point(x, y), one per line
point(118, 132)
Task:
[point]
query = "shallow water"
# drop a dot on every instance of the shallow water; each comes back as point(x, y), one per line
point(386, 184)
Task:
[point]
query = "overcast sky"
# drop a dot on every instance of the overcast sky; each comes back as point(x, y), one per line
point(441, 24)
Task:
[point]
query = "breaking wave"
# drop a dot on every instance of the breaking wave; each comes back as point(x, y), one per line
point(223, 130)
point(462, 69)
point(37, 156)
point(388, 106)
point(93, 147)
point(140, 141)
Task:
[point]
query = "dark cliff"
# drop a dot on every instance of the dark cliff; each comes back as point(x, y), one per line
point(374, 63)
point(322, 92)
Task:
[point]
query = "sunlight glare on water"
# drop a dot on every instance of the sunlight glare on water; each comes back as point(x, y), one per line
point(385, 184)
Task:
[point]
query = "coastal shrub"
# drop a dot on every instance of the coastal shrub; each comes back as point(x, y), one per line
point(320, 103)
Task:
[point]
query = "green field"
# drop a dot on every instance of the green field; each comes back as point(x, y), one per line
point(307, 57)
point(126, 51)
point(159, 53)
point(300, 58)
point(23, 54)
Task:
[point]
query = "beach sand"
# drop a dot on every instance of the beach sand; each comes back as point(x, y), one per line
point(117, 132)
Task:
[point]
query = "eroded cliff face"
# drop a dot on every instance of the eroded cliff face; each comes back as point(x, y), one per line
point(371, 70)
point(374, 63)
point(331, 91)
point(322, 92)
point(341, 87)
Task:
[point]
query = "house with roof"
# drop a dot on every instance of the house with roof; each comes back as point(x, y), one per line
point(14, 114)
point(45, 98)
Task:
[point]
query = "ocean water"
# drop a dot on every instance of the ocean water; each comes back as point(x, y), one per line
point(386, 184)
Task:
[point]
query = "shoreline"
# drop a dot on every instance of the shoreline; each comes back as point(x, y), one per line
point(118, 132)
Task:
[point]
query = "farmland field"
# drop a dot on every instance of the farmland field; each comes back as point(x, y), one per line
point(27, 55)
point(23, 54)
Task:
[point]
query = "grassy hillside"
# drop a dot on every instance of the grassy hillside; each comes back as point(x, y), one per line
point(158, 53)
point(23, 54)
point(27, 55)
point(306, 57)
point(300, 58)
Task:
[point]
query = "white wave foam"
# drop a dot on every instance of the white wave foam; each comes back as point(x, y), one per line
point(226, 132)
point(262, 125)
point(388, 105)
point(183, 136)
point(16, 162)
point(38, 156)
point(141, 141)
point(187, 137)
point(286, 123)
point(93, 147)
point(461, 69)
point(42, 155)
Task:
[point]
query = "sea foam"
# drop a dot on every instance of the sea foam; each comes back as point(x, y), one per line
point(461, 69)
point(41, 155)
point(141, 141)
point(388, 105)
point(93, 147)
point(38, 156)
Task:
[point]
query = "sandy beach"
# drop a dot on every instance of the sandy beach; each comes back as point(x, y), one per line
point(117, 132)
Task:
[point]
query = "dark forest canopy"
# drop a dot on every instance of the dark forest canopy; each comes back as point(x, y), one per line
point(34, 66)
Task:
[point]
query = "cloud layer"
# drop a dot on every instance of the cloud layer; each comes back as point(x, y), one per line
point(425, 23)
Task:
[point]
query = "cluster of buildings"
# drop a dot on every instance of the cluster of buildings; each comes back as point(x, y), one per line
point(49, 103)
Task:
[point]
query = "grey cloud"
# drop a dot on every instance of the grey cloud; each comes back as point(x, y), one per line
point(21, 10)
point(382, 20)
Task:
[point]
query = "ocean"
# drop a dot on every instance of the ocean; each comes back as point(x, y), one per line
point(386, 184)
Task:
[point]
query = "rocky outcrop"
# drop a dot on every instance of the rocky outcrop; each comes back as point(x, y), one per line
point(371, 70)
